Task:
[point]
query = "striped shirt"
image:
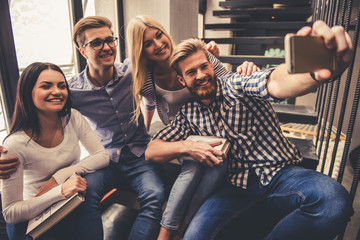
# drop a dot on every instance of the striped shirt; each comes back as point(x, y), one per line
point(153, 99)
point(241, 112)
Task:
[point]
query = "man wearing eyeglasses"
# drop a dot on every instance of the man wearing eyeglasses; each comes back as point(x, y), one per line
point(103, 94)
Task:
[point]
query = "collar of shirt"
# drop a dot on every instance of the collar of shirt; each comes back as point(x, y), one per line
point(118, 73)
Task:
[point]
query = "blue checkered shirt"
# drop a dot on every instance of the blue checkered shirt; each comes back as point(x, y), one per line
point(241, 112)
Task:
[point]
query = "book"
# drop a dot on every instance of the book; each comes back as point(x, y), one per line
point(224, 146)
point(52, 215)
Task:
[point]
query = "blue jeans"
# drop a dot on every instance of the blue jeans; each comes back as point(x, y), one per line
point(143, 177)
point(192, 187)
point(306, 205)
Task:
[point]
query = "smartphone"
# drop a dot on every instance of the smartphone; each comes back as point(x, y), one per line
point(307, 54)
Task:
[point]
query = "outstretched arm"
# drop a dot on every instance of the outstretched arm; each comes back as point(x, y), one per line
point(281, 84)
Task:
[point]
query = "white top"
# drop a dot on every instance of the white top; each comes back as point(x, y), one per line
point(171, 101)
point(38, 164)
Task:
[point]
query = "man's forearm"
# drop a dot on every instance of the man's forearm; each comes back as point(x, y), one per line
point(161, 151)
point(281, 84)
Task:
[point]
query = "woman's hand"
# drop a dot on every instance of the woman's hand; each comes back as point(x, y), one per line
point(213, 48)
point(247, 68)
point(73, 185)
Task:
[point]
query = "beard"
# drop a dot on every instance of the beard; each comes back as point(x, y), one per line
point(202, 93)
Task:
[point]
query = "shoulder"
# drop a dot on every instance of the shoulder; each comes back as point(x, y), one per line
point(16, 138)
point(16, 143)
point(75, 113)
point(228, 77)
point(76, 117)
point(78, 81)
point(123, 67)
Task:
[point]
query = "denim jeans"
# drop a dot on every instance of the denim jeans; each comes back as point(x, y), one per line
point(143, 177)
point(192, 187)
point(307, 205)
point(65, 229)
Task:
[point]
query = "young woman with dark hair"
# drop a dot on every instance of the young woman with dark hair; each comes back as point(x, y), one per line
point(44, 135)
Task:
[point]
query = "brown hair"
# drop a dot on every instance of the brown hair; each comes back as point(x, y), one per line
point(87, 23)
point(185, 49)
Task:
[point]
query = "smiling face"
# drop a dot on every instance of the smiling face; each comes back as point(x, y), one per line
point(50, 93)
point(102, 58)
point(198, 76)
point(156, 46)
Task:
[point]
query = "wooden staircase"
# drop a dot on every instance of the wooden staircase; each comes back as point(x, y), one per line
point(258, 25)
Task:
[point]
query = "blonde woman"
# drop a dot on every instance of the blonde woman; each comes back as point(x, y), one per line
point(155, 82)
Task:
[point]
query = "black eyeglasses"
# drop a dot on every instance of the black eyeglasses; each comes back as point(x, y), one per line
point(98, 44)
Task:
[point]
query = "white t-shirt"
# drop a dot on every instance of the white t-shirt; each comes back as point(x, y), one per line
point(38, 164)
point(171, 101)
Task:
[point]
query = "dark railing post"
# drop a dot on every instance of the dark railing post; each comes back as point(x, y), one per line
point(121, 23)
point(9, 69)
point(77, 14)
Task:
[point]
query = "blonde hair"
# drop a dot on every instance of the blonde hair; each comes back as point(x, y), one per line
point(140, 64)
point(185, 49)
point(86, 23)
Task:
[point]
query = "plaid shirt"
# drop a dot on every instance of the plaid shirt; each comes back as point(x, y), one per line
point(241, 112)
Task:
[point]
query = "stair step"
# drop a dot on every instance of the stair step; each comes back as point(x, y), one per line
point(258, 60)
point(251, 3)
point(296, 25)
point(307, 150)
point(248, 40)
point(295, 113)
point(306, 11)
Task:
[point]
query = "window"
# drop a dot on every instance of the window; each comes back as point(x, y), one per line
point(42, 32)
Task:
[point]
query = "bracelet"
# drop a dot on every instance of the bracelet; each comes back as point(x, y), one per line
point(327, 81)
point(312, 75)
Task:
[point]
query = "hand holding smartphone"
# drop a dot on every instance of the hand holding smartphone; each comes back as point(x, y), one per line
point(307, 54)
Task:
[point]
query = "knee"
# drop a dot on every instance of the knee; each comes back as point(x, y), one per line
point(334, 201)
point(339, 203)
point(190, 169)
point(153, 198)
point(95, 188)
